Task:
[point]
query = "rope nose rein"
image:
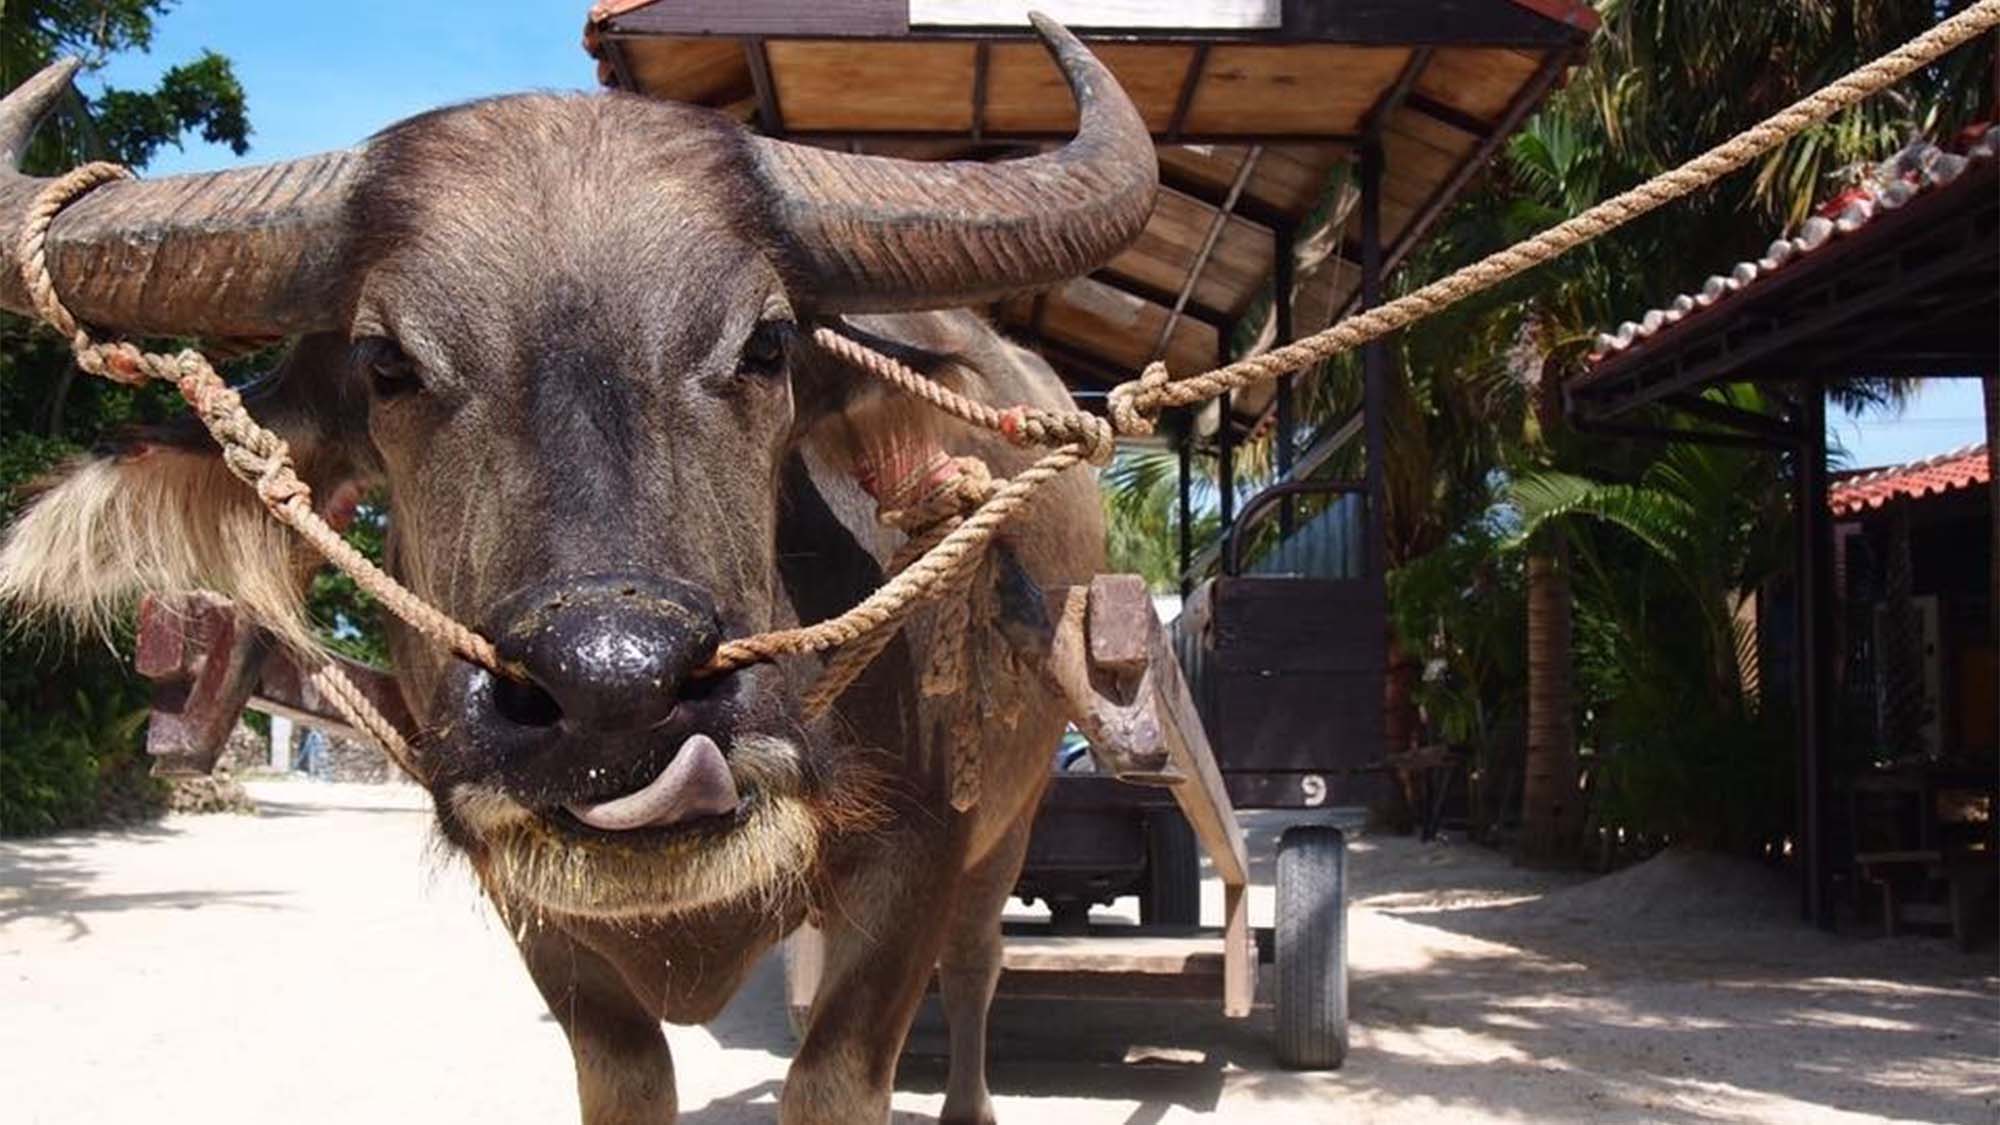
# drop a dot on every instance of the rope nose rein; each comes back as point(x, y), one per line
point(945, 547)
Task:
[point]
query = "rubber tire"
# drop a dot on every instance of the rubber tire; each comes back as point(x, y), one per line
point(1311, 1004)
point(1173, 872)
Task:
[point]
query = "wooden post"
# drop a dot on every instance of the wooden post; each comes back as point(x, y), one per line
point(1374, 356)
point(1813, 613)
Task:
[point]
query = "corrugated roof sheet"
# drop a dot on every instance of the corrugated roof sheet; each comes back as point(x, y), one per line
point(1935, 476)
point(1891, 184)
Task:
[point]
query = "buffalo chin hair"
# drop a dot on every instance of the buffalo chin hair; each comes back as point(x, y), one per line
point(770, 856)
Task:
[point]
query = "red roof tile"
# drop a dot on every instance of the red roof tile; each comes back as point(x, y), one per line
point(1950, 472)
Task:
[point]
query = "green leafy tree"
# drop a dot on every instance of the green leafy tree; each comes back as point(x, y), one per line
point(1475, 394)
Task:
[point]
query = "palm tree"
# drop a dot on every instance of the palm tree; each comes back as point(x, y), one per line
point(1648, 99)
point(1474, 394)
point(1695, 533)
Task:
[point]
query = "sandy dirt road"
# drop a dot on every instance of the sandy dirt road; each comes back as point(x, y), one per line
point(324, 962)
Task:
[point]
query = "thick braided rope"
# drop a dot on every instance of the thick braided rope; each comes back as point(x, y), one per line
point(927, 577)
point(334, 685)
point(1019, 425)
point(926, 521)
point(851, 659)
point(253, 454)
point(1135, 405)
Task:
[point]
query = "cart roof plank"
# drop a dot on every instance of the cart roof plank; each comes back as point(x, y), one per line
point(1259, 109)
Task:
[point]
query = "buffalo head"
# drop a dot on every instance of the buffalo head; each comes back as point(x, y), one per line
point(565, 334)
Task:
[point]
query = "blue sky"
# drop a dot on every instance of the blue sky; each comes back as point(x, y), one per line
point(321, 76)
point(1946, 414)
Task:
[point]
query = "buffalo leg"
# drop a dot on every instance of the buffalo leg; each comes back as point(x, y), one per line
point(624, 1075)
point(881, 944)
point(968, 970)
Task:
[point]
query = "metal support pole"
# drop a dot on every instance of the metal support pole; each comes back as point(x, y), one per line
point(1225, 442)
point(1225, 465)
point(1374, 355)
point(1281, 296)
point(1814, 620)
point(1187, 510)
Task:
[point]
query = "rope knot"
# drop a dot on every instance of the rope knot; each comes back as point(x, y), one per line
point(1135, 405)
point(964, 486)
point(1031, 426)
point(121, 362)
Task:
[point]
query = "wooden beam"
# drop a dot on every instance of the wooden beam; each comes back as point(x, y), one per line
point(1195, 268)
point(1734, 344)
point(982, 61)
point(1145, 291)
point(831, 137)
point(1202, 797)
point(1525, 101)
point(1449, 115)
point(1197, 63)
point(759, 60)
point(1750, 422)
point(1284, 257)
point(1392, 99)
point(1395, 23)
point(613, 51)
point(1374, 365)
point(1248, 206)
point(1204, 800)
point(1100, 371)
point(1451, 23)
point(772, 18)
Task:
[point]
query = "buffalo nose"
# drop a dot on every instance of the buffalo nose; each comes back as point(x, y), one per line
point(603, 654)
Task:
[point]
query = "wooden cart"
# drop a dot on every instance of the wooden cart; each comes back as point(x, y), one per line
point(1266, 694)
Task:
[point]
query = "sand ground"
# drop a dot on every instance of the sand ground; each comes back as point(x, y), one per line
point(322, 962)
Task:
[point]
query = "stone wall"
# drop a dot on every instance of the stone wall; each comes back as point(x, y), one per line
point(328, 758)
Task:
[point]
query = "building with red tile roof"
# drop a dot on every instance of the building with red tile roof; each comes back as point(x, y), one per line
point(1960, 469)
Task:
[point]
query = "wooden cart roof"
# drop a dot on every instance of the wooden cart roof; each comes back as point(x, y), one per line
point(1259, 108)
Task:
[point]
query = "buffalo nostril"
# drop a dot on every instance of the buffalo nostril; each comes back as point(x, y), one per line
point(524, 703)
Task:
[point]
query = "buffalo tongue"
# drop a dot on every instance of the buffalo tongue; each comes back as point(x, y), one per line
point(695, 784)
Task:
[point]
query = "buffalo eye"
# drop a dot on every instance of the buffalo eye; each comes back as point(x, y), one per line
point(391, 372)
point(764, 351)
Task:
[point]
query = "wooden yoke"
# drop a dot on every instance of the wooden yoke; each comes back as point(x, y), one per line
point(208, 662)
point(1117, 671)
point(203, 659)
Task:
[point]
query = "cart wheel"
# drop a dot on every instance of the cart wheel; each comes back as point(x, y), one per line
point(1311, 1005)
point(1173, 872)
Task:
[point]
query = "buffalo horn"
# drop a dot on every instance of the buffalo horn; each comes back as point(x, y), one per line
point(244, 253)
point(875, 234)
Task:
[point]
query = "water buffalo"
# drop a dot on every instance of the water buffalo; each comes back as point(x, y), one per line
point(567, 336)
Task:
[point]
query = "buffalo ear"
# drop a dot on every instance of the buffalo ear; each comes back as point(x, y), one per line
point(159, 512)
point(860, 426)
